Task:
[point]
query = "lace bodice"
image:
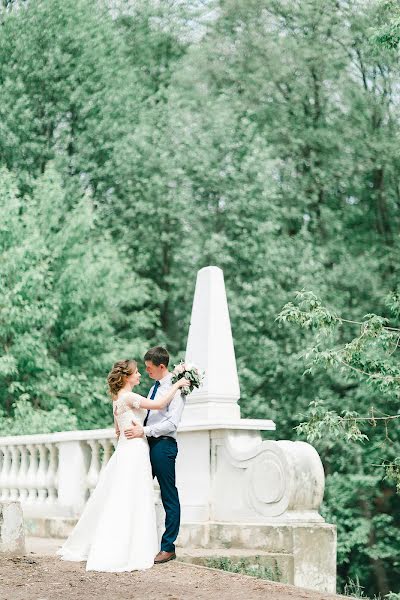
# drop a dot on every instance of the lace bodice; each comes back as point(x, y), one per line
point(124, 413)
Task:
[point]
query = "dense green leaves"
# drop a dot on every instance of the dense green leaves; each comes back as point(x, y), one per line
point(65, 310)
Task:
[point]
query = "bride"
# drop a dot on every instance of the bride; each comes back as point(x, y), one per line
point(117, 529)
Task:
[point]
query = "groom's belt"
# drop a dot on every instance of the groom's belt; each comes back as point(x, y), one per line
point(161, 437)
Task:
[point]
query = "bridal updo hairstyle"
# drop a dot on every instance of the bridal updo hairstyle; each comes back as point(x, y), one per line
point(118, 374)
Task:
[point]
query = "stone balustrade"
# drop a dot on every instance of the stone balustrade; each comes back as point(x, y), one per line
point(53, 474)
point(236, 491)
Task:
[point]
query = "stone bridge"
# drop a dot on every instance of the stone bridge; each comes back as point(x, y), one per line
point(241, 496)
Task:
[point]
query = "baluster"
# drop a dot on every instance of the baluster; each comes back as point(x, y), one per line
point(31, 475)
point(6, 467)
point(41, 473)
point(71, 475)
point(23, 473)
point(94, 469)
point(13, 474)
point(51, 476)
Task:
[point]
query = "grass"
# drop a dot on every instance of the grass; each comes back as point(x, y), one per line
point(245, 567)
point(353, 589)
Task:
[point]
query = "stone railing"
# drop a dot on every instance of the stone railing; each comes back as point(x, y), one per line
point(236, 491)
point(53, 474)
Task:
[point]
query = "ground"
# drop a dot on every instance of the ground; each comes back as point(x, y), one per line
point(42, 577)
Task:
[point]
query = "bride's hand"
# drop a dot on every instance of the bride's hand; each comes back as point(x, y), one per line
point(183, 382)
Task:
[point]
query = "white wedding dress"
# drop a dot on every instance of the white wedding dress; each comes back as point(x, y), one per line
point(117, 529)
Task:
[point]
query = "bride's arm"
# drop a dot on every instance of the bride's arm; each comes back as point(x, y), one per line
point(162, 402)
point(117, 432)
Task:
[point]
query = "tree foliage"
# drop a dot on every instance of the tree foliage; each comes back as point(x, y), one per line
point(65, 311)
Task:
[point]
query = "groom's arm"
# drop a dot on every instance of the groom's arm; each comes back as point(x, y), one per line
point(169, 424)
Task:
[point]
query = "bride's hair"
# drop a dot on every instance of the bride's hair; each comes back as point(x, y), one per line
point(118, 374)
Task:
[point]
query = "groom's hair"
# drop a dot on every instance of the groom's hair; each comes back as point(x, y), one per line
point(158, 356)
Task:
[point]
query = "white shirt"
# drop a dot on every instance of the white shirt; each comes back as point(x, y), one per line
point(166, 420)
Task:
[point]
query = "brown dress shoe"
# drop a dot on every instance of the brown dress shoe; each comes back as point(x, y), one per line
point(163, 557)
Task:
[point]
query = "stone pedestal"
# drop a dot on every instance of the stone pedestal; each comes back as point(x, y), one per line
point(240, 494)
point(299, 554)
point(12, 538)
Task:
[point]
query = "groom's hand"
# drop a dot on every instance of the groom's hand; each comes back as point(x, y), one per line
point(134, 432)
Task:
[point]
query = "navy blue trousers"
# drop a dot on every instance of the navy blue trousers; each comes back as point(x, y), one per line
point(163, 453)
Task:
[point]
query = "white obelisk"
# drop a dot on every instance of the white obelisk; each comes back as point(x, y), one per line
point(210, 347)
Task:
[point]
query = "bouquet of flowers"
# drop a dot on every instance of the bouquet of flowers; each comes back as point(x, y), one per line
point(190, 372)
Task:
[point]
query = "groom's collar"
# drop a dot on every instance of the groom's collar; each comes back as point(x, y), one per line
point(166, 378)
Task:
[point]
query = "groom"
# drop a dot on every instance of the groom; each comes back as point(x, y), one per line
point(160, 428)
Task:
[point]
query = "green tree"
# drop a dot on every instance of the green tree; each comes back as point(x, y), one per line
point(369, 536)
point(72, 91)
point(71, 304)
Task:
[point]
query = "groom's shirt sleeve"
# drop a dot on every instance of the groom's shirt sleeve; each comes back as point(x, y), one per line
point(169, 423)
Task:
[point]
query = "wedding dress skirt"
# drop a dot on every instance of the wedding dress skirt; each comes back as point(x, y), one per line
point(117, 529)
